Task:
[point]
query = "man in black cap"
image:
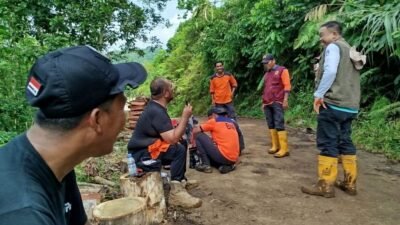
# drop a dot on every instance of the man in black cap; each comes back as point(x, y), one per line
point(213, 113)
point(80, 101)
point(274, 102)
point(222, 149)
point(156, 138)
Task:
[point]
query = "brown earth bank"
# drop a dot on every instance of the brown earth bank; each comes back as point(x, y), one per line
point(266, 190)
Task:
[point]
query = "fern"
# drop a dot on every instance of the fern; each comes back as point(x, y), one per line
point(316, 13)
point(383, 109)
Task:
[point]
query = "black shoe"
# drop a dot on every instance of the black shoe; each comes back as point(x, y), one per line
point(204, 168)
point(226, 168)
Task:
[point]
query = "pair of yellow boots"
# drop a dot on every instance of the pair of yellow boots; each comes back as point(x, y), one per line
point(327, 174)
point(279, 143)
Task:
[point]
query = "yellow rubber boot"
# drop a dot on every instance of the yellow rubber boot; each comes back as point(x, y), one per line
point(327, 173)
point(275, 141)
point(283, 150)
point(348, 185)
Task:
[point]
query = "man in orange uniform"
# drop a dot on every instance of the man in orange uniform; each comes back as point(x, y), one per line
point(222, 150)
point(222, 88)
point(274, 102)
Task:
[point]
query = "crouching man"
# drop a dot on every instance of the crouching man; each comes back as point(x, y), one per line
point(155, 137)
point(222, 149)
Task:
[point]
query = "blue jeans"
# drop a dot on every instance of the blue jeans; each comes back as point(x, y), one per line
point(334, 132)
point(274, 116)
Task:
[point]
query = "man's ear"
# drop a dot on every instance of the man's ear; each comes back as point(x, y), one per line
point(166, 92)
point(94, 120)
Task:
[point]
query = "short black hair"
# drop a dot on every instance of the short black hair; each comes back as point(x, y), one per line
point(215, 64)
point(334, 25)
point(158, 87)
point(67, 124)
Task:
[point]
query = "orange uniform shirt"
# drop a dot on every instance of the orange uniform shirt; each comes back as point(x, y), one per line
point(286, 80)
point(224, 135)
point(221, 87)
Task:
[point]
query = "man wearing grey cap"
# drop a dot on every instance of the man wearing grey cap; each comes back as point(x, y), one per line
point(80, 101)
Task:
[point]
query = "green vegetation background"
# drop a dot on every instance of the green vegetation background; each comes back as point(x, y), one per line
point(237, 32)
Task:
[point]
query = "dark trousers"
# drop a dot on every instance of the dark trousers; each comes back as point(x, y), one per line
point(241, 139)
point(174, 156)
point(230, 108)
point(274, 115)
point(209, 153)
point(334, 132)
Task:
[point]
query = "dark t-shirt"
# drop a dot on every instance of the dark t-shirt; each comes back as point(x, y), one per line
point(153, 121)
point(31, 194)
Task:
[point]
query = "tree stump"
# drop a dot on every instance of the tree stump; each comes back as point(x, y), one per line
point(122, 211)
point(149, 186)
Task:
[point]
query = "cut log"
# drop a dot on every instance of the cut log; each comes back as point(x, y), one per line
point(133, 118)
point(101, 180)
point(121, 211)
point(138, 103)
point(149, 186)
point(136, 108)
point(89, 187)
point(135, 113)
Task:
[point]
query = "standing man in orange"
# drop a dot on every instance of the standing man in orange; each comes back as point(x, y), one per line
point(274, 102)
point(222, 89)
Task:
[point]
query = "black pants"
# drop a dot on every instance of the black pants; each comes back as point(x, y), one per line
point(209, 153)
point(241, 139)
point(274, 115)
point(230, 108)
point(174, 156)
point(334, 132)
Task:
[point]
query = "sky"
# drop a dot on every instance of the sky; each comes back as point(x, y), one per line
point(163, 33)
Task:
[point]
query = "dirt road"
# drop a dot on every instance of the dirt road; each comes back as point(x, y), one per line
point(264, 190)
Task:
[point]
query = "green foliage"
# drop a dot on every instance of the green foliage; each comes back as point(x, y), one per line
point(29, 29)
point(377, 129)
point(16, 59)
point(97, 23)
point(239, 32)
point(6, 137)
point(300, 112)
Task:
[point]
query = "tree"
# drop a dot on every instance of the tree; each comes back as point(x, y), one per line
point(94, 22)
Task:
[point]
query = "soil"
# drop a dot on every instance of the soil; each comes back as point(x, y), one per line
point(265, 190)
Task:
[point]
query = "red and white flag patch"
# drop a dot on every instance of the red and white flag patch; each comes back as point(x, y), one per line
point(34, 86)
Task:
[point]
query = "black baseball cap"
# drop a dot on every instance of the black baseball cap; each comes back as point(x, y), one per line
point(71, 81)
point(266, 58)
point(219, 110)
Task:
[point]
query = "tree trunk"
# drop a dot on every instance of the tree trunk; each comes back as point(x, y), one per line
point(122, 211)
point(149, 186)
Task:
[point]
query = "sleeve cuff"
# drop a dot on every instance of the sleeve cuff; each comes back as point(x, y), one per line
point(317, 95)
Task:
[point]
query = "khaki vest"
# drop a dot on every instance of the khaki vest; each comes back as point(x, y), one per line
point(345, 90)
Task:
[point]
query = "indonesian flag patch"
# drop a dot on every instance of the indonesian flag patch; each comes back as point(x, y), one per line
point(34, 86)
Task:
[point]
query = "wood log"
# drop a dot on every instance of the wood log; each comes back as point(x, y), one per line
point(101, 180)
point(136, 108)
point(149, 186)
point(132, 123)
point(121, 211)
point(135, 113)
point(131, 127)
point(138, 103)
point(133, 118)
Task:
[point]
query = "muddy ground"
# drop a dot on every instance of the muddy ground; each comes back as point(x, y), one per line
point(265, 190)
